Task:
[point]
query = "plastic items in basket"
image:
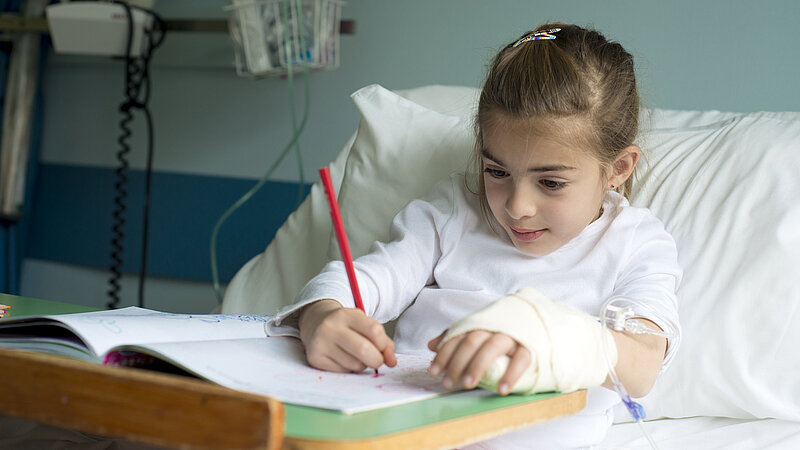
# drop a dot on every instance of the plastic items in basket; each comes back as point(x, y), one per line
point(269, 35)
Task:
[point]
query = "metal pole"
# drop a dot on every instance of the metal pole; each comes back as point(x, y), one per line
point(23, 72)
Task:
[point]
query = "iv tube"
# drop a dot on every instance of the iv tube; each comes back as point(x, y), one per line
point(623, 320)
point(297, 130)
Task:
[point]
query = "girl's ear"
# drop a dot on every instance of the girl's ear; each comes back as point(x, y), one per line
point(623, 165)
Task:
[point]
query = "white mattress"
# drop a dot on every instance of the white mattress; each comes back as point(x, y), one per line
point(707, 433)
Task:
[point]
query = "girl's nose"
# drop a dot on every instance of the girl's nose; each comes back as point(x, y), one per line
point(520, 203)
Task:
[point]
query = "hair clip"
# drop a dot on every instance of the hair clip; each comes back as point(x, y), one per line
point(538, 36)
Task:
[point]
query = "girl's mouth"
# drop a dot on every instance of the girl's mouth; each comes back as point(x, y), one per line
point(524, 235)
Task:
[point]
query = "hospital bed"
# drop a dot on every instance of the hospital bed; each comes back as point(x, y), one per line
point(726, 185)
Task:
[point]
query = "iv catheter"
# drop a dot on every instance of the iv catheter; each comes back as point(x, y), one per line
point(623, 319)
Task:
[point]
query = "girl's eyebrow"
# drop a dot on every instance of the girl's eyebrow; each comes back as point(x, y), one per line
point(555, 168)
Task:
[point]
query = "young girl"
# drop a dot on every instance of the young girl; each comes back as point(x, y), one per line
point(503, 273)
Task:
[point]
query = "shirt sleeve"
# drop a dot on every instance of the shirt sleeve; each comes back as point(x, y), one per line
point(392, 274)
point(650, 279)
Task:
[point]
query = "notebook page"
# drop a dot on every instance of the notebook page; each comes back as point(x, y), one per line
point(277, 367)
point(102, 330)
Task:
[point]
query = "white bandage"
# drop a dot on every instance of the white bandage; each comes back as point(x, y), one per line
point(566, 345)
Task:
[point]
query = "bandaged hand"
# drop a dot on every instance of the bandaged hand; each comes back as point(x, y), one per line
point(565, 346)
point(468, 356)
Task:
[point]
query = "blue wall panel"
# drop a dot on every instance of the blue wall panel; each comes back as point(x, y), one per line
point(72, 220)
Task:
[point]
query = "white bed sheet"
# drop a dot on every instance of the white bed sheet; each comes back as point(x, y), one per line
point(695, 433)
point(706, 433)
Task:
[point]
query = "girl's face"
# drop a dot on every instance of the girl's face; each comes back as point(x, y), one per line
point(542, 193)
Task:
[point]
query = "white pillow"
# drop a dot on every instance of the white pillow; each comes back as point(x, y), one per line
point(730, 195)
point(674, 118)
point(401, 150)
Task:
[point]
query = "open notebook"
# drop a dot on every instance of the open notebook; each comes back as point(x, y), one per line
point(232, 350)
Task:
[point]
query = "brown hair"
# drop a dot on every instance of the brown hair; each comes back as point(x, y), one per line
point(579, 85)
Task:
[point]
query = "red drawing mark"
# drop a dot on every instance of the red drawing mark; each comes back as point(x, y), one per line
point(378, 375)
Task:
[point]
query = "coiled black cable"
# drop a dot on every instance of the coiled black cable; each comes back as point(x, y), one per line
point(137, 95)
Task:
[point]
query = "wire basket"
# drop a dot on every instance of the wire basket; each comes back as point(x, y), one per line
point(271, 35)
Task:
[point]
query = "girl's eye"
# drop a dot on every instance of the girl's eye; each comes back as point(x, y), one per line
point(553, 185)
point(495, 173)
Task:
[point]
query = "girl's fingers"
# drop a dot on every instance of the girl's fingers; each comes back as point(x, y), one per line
point(521, 358)
point(327, 364)
point(433, 344)
point(465, 359)
point(348, 360)
point(385, 345)
point(362, 350)
point(366, 340)
point(468, 346)
point(334, 359)
point(350, 339)
point(389, 357)
point(496, 345)
point(442, 358)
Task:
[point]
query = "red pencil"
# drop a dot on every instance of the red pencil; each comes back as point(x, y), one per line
point(341, 236)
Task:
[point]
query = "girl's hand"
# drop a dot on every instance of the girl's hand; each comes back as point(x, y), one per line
point(466, 358)
point(341, 339)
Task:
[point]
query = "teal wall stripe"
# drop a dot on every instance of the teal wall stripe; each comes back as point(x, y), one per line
point(71, 220)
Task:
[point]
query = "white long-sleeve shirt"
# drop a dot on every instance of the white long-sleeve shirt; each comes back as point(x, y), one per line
point(444, 261)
